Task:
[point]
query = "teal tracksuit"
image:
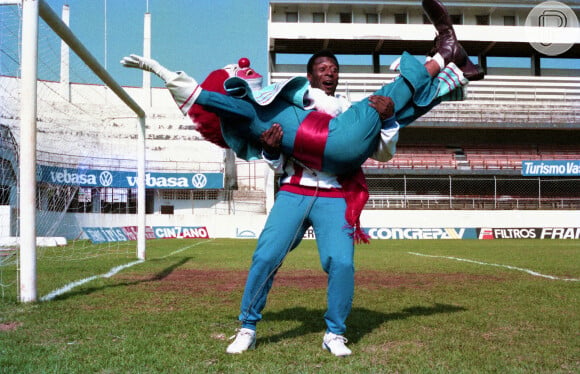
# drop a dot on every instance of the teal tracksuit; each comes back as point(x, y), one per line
point(338, 145)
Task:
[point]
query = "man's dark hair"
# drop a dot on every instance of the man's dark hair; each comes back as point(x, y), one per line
point(322, 53)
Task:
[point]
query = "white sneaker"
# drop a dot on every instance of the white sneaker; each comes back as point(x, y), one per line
point(335, 344)
point(245, 339)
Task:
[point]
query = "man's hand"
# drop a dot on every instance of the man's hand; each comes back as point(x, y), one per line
point(148, 64)
point(270, 140)
point(383, 105)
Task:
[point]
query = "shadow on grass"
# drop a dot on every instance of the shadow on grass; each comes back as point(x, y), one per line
point(155, 277)
point(361, 321)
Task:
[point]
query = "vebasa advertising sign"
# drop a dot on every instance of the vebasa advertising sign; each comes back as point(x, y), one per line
point(126, 179)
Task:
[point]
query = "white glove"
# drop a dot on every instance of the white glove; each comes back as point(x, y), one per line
point(148, 64)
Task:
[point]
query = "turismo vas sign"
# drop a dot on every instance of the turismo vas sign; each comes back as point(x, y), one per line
point(126, 179)
point(540, 168)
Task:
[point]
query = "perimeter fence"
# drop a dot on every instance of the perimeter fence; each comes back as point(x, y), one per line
point(461, 192)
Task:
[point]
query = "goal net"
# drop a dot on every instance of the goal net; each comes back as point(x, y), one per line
point(86, 139)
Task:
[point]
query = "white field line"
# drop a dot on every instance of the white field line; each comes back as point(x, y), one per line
point(109, 274)
point(186, 248)
point(534, 273)
point(72, 285)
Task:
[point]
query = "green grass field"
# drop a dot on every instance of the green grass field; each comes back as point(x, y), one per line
point(411, 314)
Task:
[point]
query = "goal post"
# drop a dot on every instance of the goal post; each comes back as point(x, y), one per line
point(27, 178)
point(31, 11)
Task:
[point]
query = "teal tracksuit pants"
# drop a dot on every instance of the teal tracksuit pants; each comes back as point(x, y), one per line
point(289, 218)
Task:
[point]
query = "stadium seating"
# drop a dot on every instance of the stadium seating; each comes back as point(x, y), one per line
point(497, 99)
point(480, 157)
point(418, 157)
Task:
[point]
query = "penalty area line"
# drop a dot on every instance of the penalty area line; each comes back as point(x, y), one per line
point(531, 272)
point(185, 248)
point(109, 274)
point(72, 285)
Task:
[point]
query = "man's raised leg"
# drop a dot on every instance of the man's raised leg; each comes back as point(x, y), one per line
point(447, 44)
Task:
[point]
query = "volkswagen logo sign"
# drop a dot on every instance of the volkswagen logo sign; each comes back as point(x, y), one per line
point(198, 181)
point(106, 179)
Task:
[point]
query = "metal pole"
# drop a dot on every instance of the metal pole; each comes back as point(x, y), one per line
point(539, 192)
point(405, 191)
point(141, 216)
point(494, 192)
point(141, 196)
point(450, 193)
point(62, 30)
point(105, 41)
point(28, 151)
point(65, 58)
point(147, 53)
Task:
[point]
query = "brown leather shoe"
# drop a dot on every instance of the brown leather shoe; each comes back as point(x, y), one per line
point(471, 71)
point(446, 42)
point(459, 57)
point(438, 15)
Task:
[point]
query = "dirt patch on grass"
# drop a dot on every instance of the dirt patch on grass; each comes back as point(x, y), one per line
point(9, 326)
point(201, 280)
point(375, 279)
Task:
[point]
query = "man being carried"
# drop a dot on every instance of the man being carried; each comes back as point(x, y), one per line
point(335, 144)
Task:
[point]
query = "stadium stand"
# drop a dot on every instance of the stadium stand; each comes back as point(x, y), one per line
point(463, 155)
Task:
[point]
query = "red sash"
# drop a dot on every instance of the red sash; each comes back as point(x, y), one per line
point(309, 145)
point(356, 194)
point(311, 139)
